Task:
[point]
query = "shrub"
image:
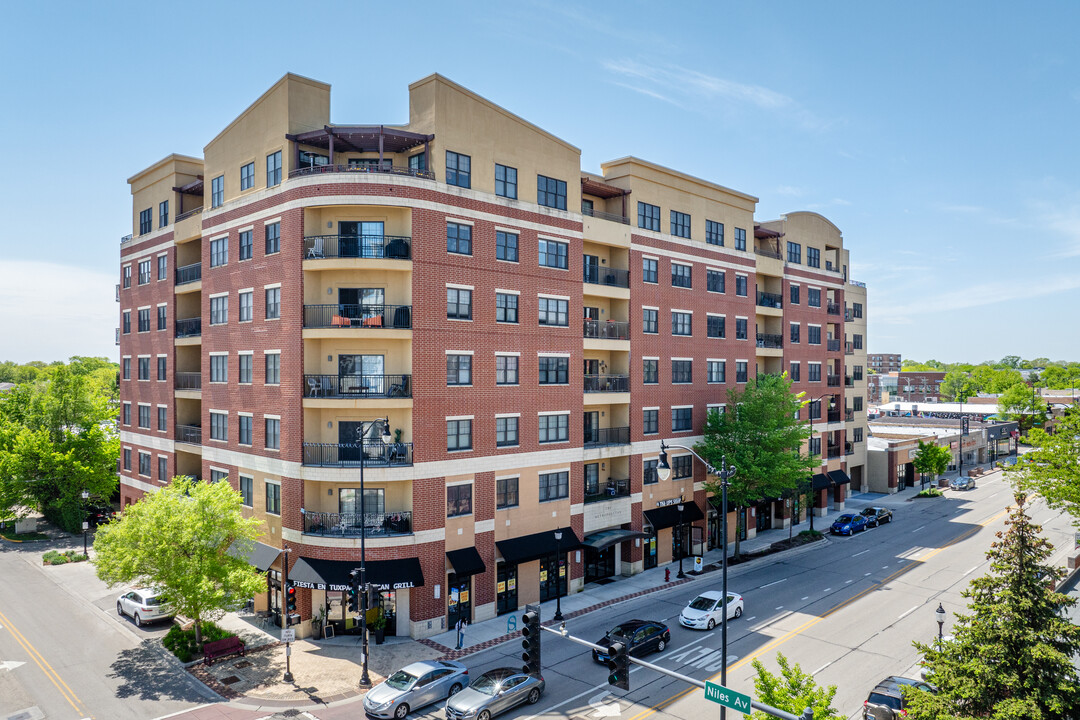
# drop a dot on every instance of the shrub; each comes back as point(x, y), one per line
point(181, 643)
point(929, 493)
point(53, 557)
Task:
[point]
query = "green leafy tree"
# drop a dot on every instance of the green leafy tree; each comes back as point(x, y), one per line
point(1023, 404)
point(1011, 361)
point(760, 434)
point(793, 691)
point(1012, 656)
point(931, 459)
point(1052, 467)
point(956, 385)
point(177, 540)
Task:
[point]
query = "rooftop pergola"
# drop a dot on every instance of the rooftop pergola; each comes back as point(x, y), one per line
point(360, 139)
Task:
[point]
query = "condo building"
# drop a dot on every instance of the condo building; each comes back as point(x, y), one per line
point(489, 340)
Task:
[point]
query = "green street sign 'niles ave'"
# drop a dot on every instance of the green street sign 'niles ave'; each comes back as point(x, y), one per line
point(727, 697)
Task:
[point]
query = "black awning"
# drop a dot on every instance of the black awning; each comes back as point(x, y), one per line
point(668, 516)
point(533, 547)
point(822, 482)
point(839, 477)
point(317, 574)
point(466, 561)
point(260, 556)
point(607, 538)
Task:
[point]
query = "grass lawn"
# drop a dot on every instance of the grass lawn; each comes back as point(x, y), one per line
point(8, 533)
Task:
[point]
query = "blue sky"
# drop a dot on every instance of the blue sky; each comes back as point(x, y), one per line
point(939, 137)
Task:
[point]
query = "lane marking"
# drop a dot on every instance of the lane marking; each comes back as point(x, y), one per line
point(751, 618)
point(917, 529)
point(826, 590)
point(780, 608)
point(805, 598)
point(46, 668)
point(866, 574)
point(822, 668)
point(904, 615)
point(776, 582)
point(848, 581)
point(884, 567)
point(860, 553)
point(970, 571)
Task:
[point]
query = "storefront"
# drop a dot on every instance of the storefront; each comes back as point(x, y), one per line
point(459, 601)
point(603, 552)
point(649, 546)
point(680, 522)
point(262, 556)
point(553, 568)
point(506, 596)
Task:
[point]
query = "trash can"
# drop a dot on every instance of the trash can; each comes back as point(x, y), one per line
point(697, 564)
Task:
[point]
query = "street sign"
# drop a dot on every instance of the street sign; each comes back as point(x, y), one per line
point(727, 697)
point(288, 635)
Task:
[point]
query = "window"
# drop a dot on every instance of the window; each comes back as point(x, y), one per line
point(554, 428)
point(740, 285)
point(554, 311)
point(163, 213)
point(553, 254)
point(857, 372)
point(813, 297)
point(714, 232)
point(161, 368)
point(418, 163)
point(273, 303)
point(650, 320)
point(681, 419)
point(716, 326)
point(127, 321)
point(273, 169)
point(506, 370)
point(144, 320)
point(127, 276)
point(813, 334)
point(740, 239)
point(650, 372)
point(144, 416)
point(459, 238)
point(814, 374)
point(554, 486)
point(795, 333)
point(127, 458)
point(813, 410)
point(273, 433)
point(680, 275)
point(813, 257)
point(506, 308)
point(794, 252)
point(146, 221)
point(648, 270)
point(127, 368)
point(857, 435)
point(162, 469)
point(245, 245)
point(144, 368)
point(245, 430)
point(162, 267)
point(162, 317)
point(219, 310)
point(648, 216)
point(717, 371)
point(459, 500)
point(273, 499)
point(505, 181)
point(856, 342)
point(219, 426)
point(217, 191)
point(219, 251)
point(506, 493)
point(554, 370)
point(682, 371)
point(247, 493)
point(219, 372)
point(650, 422)
point(856, 403)
point(144, 271)
point(246, 306)
point(458, 304)
point(740, 328)
point(681, 323)
point(714, 281)
point(680, 224)
point(162, 418)
point(793, 372)
point(244, 372)
point(247, 176)
point(506, 431)
point(458, 169)
point(794, 294)
point(273, 238)
point(273, 368)
point(459, 369)
point(506, 246)
point(144, 464)
point(740, 371)
point(551, 192)
point(458, 435)
point(856, 310)
point(649, 474)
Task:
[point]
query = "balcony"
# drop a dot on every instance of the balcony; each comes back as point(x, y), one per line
point(189, 274)
point(190, 434)
point(849, 381)
point(365, 247)
point(768, 252)
point(849, 415)
point(189, 327)
point(770, 300)
point(611, 277)
point(606, 330)
point(607, 383)
point(601, 437)
point(607, 491)
point(832, 345)
point(832, 380)
point(385, 169)
point(117, 292)
point(769, 340)
point(849, 448)
point(367, 317)
point(117, 336)
point(373, 454)
point(833, 452)
point(189, 213)
point(849, 349)
point(832, 308)
point(188, 381)
point(349, 524)
point(605, 215)
point(833, 416)
point(357, 387)
point(126, 239)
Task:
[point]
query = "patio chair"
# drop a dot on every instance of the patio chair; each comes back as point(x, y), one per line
point(315, 386)
point(316, 249)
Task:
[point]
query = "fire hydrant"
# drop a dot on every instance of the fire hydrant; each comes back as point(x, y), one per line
point(667, 575)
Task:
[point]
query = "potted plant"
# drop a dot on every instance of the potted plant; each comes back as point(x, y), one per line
point(379, 626)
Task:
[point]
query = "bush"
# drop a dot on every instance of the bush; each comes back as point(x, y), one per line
point(929, 493)
point(57, 558)
point(181, 643)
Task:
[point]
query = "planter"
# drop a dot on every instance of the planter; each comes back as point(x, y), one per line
point(380, 635)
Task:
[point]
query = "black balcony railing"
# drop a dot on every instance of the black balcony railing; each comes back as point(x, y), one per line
point(188, 381)
point(612, 277)
point(368, 247)
point(358, 386)
point(768, 252)
point(768, 299)
point(832, 345)
point(607, 490)
point(607, 383)
point(386, 169)
point(833, 451)
point(598, 437)
point(833, 416)
point(350, 524)
point(368, 317)
point(605, 215)
point(769, 340)
point(189, 327)
point(117, 336)
point(126, 239)
point(832, 308)
point(189, 213)
point(832, 380)
point(849, 349)
point(373, 454)
point(848, 381)
point(849, 415)
point(849, 448)
point(191, 434)
point(189, 274)
point(607, 329)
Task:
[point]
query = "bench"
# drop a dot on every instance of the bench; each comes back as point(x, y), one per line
point(223, 648)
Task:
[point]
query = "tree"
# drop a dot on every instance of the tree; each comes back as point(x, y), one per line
point(761, 435)
point(1051, 468)
point(1011, 657)
point(793, 691)
point(1021, 402)
point(177, 540)
point(931, 459)
point(957, 384)
point(1011, 361)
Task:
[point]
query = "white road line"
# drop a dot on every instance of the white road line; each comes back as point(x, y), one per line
point(861, 552)
point(806, 598)
point(866, 574)
point(901, 617)
point(884, 567)
point(775, 582)
point(917, 529)
point(751, 618)
point(848, 581)
point(826, 590)
point(970, 571)
point(780, 608)
point(822, 668)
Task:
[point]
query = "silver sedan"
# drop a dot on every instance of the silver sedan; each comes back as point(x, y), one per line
point(494, 692)
point(415, 686)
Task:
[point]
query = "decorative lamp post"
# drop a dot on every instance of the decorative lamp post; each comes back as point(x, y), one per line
point(558, 575)
point(365, 680)
point(940, 613)
point(85, 522)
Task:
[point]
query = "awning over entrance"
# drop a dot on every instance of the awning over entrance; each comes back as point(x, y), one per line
point(822, 482)
point(533, 547)
point(316, 574)
point(466, 561)
point(665, 517)
point(260, 556)
point(607, 538)
point(839, 477)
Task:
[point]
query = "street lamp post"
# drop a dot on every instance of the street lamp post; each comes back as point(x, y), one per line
point(558, 575)
point(813, 492)
point(724, 473)
point(85, 522)
point(682, 549)
point(940, 613)
point(365, 680)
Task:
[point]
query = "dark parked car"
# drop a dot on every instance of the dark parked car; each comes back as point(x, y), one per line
point(641, 636)
point(886, 700)
point(962, 483)
point(99, 515)
point(876, 516)
point(848, 524)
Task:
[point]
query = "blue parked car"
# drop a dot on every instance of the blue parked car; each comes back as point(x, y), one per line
point(848, 524)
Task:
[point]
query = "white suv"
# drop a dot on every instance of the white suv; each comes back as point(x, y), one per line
point(143, 605)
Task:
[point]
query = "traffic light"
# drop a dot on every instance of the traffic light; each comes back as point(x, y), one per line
point(619, 664)
point(530, 633)
point(290, 602)
point(354, 596)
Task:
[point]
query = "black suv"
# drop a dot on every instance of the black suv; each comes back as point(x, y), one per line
point(876, 516)
point(886, 700)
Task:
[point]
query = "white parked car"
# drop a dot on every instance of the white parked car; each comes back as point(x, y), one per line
point(704, 611)
point(143, 605)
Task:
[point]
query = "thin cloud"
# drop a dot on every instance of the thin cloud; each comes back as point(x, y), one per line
point(789, 190)
point(975, 296)
point(650, 93)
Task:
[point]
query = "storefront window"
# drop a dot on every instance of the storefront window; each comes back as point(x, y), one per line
point(553, 574)
point(650, 549)
point(458, 600)
point(506, 589)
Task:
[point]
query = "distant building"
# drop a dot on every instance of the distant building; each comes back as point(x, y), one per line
point(912, 386)
point(884, 363)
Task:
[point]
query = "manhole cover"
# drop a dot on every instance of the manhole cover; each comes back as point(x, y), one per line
point(242, 664)
point(230, 680)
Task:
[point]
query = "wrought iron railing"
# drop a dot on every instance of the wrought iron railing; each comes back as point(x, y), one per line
point(598, 437)
point(374, 453)
point(849, 349)
point(848, 381)
point(612, 277)
point(607, 329)
point(367, 247)
point(770, 340)
point(189, 274)
point(368, 317)
point(833, 416)
point(189, 213)
point(833, 451)
point(849, 448)
point(117, 336)
point(189, 327)
point(856, 283)
point(605, 215)
point(832, 380)
point(768, 252)
point(357, 386)
point(188, 381)
point(191, 434)
point(126, 239)
point(607, 383)
point(849, 415)
point(768, 299)
point(832, 345)
point(384, 169)
point(350, 524)
point(607, 490)
point(832, 308)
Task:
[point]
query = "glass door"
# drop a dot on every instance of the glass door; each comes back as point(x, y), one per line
point(592, 479)
point(592, 427)
point(458, 601)
point(506, 589)
point(650, 549)
point(592, 269)
point(349, 238)
point(552, 577)
point(364, 306)
point(599, 564)
point(361, 374)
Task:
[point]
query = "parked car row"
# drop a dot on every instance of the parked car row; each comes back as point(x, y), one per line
point(851, 523)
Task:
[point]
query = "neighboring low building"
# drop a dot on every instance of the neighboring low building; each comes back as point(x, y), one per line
point(884, 363)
